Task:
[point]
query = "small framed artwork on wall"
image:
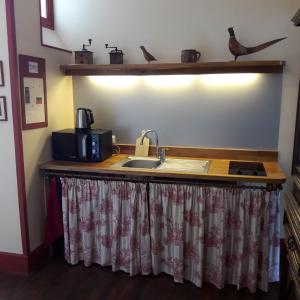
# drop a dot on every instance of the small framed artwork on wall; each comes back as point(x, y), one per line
point(1, 74)
point(3, 111)
point(33, 92)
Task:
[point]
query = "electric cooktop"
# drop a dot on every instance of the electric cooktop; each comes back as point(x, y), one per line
point(247, 168)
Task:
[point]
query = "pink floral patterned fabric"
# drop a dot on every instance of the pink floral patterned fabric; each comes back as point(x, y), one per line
point(218, 235)
point(106, 222)
point(196, 233)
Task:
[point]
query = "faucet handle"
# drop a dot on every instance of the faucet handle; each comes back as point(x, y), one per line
point(162, 153)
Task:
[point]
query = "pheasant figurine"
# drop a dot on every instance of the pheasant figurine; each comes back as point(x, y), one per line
point(238, 49)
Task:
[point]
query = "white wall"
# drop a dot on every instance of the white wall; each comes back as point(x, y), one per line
point(165, 27)
point(36, 142)
point(10, 234)
point(51, 38)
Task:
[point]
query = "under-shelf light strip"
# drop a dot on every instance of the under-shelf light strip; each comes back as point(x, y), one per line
point(167, 81)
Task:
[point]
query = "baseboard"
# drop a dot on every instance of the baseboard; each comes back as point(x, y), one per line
point(14, 263)
point(37, 257)
point(23, 264)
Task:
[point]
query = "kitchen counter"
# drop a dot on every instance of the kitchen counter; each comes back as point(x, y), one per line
point(218, 170)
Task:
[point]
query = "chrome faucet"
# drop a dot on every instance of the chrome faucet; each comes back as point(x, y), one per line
point(156, 135)
point(162, 154)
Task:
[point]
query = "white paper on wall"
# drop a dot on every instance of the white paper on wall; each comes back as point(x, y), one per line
point(34, 100)
point(33, 67)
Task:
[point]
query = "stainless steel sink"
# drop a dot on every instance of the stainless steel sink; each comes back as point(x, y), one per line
point(138, 162)
point(170, 164)
point(142, 163)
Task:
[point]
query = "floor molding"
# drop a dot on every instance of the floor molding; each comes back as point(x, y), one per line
point(21, 263)
point(14, 263)
point(37, 257)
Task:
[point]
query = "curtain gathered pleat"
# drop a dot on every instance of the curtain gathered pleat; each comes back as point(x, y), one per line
point(217, 235)
point(196, 233)
point(106, 222)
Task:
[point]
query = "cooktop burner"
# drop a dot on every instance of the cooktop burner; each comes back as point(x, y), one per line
point(246, 168)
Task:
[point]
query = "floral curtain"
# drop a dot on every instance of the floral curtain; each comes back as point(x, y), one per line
point(196, 233)
point(106, 222)
point(213, 234)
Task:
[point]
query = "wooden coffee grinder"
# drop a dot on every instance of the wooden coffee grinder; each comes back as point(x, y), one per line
point(115, 56)
point(84, 56)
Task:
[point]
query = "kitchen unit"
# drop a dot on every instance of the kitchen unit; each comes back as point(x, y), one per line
point(217, 222)
point(205, 225)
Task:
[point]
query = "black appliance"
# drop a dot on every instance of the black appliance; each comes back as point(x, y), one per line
point(247, 168)
point(78, 145)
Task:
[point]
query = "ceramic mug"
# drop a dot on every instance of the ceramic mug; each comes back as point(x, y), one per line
point(190, 56)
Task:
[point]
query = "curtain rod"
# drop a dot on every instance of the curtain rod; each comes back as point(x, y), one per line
point(144, 179)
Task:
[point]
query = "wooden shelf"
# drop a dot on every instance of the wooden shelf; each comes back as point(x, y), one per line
point(267, 66)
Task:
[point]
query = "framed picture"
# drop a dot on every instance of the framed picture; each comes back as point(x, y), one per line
point(1, 74)
point(33, 92)
point(3, 110)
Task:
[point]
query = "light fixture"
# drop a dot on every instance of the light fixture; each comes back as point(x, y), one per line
point(174, 81)
point(167, 81)
point(229, 79)
point(114, 81)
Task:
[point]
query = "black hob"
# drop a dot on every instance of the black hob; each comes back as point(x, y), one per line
point(247, 168)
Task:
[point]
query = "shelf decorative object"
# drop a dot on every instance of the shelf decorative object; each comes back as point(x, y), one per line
point(237, 49)
point(147, 55)
point(115, 56)
point(84, 56)
point(190, 56)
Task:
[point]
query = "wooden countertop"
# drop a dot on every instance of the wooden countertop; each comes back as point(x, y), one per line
point(218, 170)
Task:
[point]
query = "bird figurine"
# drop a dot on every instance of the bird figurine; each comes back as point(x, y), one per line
point(238, 49)
point(148, 56)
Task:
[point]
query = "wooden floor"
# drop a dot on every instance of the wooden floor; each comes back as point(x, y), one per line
point(57, 280)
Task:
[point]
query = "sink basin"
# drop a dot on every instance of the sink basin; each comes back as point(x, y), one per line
point(170, 164)
point(141, 163)
point(138, 162)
